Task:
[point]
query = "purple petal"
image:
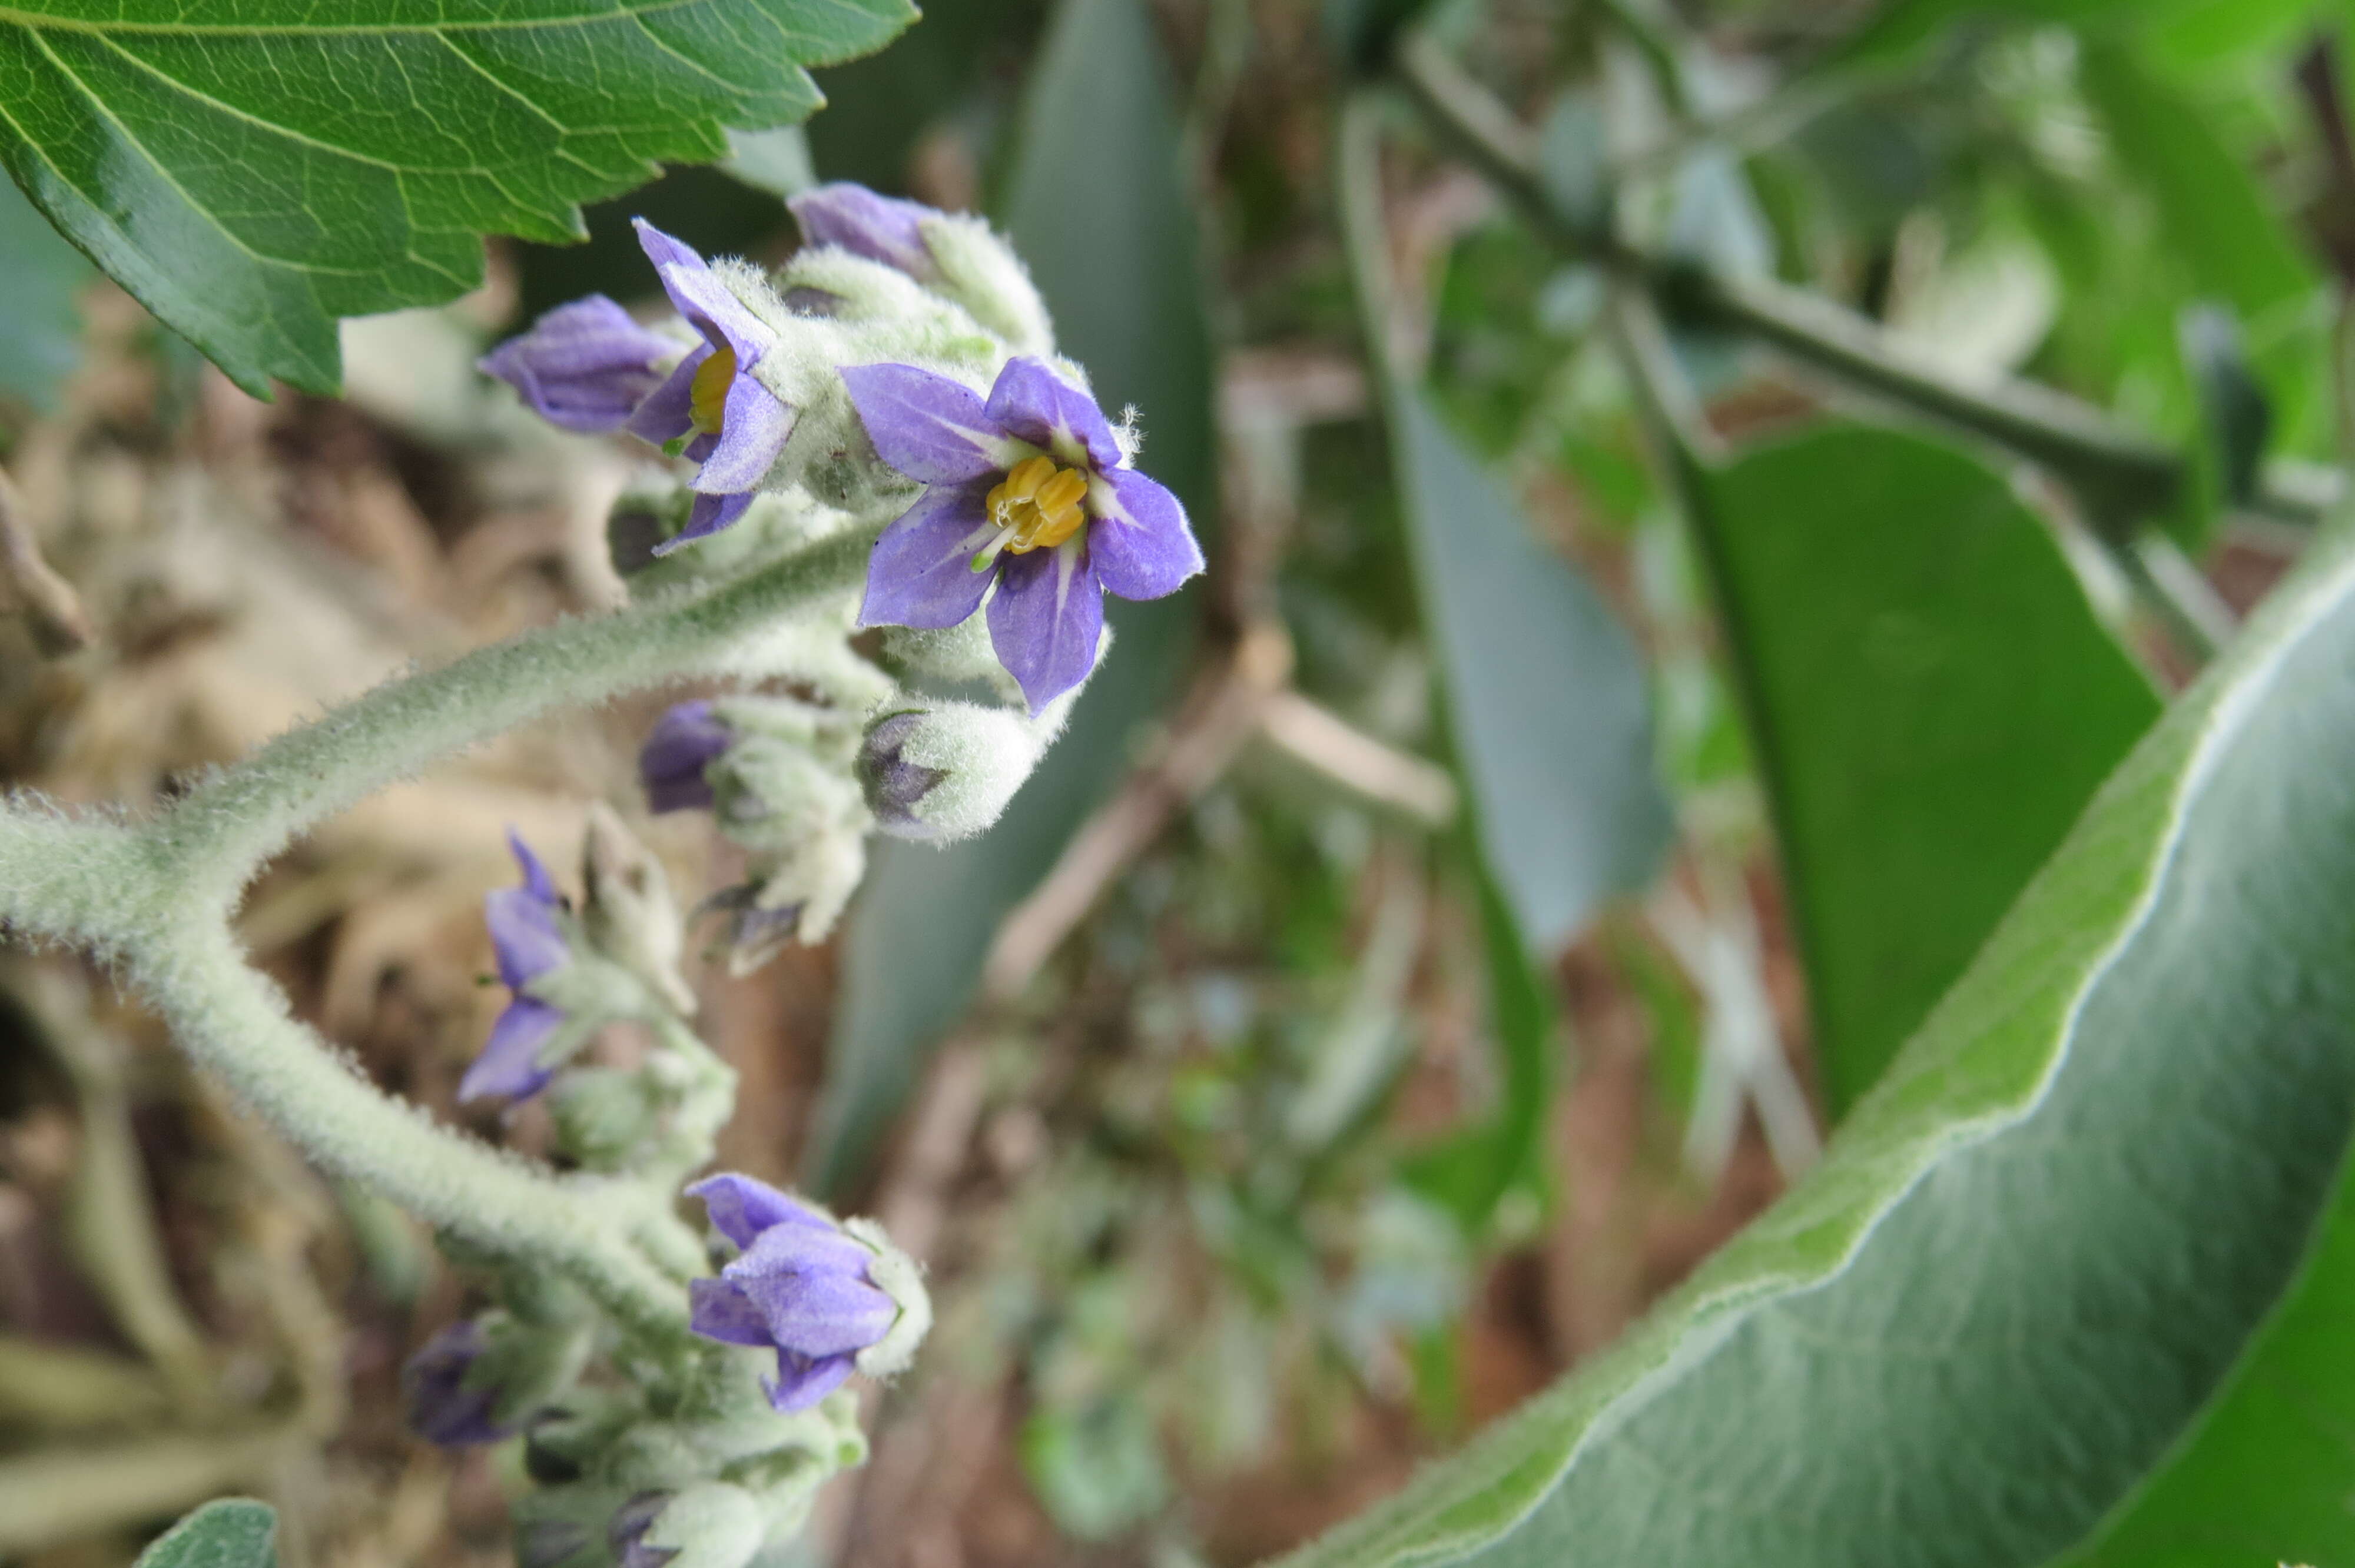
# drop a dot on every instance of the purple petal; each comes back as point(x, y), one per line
point(718, 1311)
point(922, 571)
point(524, 938)
point(509, 1066)
point(668, 411)
point(710, 514)
point(1046, 618)
point(684, 741)
point(801, 1251)
point(536, 879)
point(802, 1381)
point(1031, 401)
point(584, 365)
point(741, 1207)
point(929, 427)
point(703, 299)
point(879, 227)
point(1138, 541)
point(753, 425)
point(821, 1316)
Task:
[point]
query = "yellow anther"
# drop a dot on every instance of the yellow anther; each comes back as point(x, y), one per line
point(1038, 504)
point(707, 393)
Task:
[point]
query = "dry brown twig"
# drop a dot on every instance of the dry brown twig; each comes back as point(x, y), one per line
point(31, 587)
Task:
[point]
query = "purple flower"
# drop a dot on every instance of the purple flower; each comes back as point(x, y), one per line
point(1030, 482)
point(527, 942)
point(731, 424)
point(441, 1408)
point(584, 365)
point(879, 227)
point(799, 1286)
point(684, 741)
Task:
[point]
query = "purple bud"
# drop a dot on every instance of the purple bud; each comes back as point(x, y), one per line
point(627, 1532)
point(684, 741)
point(800, 1288)
point(895, 785)
point(585, 365)
point(441, 1409)
point(881, 229)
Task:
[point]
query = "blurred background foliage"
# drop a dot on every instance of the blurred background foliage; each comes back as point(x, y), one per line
point(1436, 931)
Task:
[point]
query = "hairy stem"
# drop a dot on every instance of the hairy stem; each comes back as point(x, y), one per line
point(230, 824)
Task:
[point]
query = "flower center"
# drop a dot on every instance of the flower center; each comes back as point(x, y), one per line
point(707, 393)
point(1035, 508)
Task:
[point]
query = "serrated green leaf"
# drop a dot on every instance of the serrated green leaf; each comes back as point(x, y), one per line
point(1931, 702)
point(232, 1533)
point(254, 169)
point(2035, 1252)
point(1099, 136)
point(40, 323)
point(1545, 693)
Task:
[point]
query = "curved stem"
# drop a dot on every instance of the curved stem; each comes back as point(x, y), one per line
point(233, 821)
point(234, 1022)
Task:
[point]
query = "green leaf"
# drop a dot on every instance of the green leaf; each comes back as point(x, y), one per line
point(1099, 137)
point(254, 169)
point(1545, 693)
point(233, 1532)
point(1931, 702)
point(2032, 1258)
point(40, 323)
point(2217, 224)
point(1905, 25)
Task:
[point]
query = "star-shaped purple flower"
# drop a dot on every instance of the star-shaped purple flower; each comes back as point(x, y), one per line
point(799, 1286)
point(528, 943)
point(585, 365)
point(731, 424)
point(1028, 489)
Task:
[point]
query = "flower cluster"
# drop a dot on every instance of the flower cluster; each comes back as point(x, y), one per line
point(903, 347)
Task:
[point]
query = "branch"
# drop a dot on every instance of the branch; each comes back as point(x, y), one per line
point(2117, 470)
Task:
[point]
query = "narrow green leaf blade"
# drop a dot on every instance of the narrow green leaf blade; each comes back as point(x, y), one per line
point(1097, 209)
point(1931, 702)
point(253, 171)
point(1546, 695)
point(2039, 1248)
point(231, 1532)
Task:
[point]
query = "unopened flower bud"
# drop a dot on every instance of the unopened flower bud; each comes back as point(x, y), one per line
point(879, 227)
point(627, 1532)
point(684, 741)
point(947, 772)
point(446, 1404)
point(629, 913)
point(710, 1524)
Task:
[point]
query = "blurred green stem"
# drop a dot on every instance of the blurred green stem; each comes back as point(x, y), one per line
point(2115, 471)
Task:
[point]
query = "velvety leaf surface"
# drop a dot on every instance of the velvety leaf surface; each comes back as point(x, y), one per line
point(1546, 696)
point(1099, 137)
point(2038, 1249)
point(1931, 702)
point(234, 1533)
point(254, 169)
